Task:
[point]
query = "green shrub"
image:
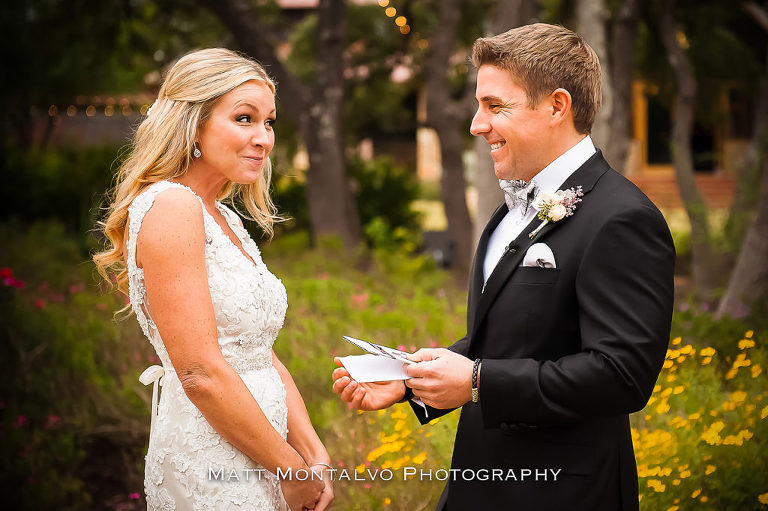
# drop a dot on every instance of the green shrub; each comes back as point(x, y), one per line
point(74, 425)
point(64, 183)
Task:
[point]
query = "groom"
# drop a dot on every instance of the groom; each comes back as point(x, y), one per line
point(567, 331)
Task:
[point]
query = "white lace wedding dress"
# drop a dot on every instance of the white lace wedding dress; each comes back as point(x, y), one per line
point(186, 455)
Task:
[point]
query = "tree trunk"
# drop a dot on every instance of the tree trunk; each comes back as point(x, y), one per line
point(622, 66)
point(591, 17)
point(509, 14)
point(746, 194)
point(331, 204)
point(749, 282)
point(316, 111)
point(682, 124)
point(446, 116)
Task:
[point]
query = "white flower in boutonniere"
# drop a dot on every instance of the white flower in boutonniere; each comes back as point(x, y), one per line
point(555, 207)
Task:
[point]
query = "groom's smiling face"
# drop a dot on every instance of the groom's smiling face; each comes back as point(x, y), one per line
point(518, 134)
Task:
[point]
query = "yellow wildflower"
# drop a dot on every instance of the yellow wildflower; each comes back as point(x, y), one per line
point(694, 416)
point(748, 334)
point(764, 413)
point(706, 360)
point(696, 493)
point(657, 485)
point(399, 414)
point(712, 434)
point(671, 378)
point(678, 390)
point(677, 340)
point(663, 407)
point(746, 344)
point(668, 364)
point(387, 501)
point(707, 352)
point(763, 498)
point(709, 469)
point(738, 396)
point(686, 350)
point(756, 370)
point(657, 388)
point(704, 498)
point(731, 374)
point(685, 473)
point(419, 458)
point(360, 468)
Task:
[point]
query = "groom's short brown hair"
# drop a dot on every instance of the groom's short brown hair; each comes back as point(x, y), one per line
point(542, 58)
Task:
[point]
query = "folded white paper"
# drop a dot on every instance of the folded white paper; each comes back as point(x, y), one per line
point(368, 368)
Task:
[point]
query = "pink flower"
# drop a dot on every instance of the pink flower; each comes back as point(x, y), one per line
point(367, 486)
point(76, 288)
point(40, 303)
point(52, 421)
point(402, 347)
point(360, 299)
point(101, 306)
point(557, 212)
point(134, 496)
point(323, 276)
point(13, 282)
point(433, 344)
point(5, 272)
point(20, 421)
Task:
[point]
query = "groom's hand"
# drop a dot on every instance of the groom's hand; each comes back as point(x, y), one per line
point(366, 396)
point(442, 378)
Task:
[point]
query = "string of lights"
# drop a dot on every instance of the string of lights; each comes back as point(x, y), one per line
point(400, 21)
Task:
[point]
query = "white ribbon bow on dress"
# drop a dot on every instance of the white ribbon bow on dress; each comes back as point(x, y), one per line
point(152, 374)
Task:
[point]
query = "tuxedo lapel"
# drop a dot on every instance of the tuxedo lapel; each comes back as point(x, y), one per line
point(477, 278)
point(585, 176)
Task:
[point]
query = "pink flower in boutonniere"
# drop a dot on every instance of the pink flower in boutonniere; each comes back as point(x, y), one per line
point(553, 207)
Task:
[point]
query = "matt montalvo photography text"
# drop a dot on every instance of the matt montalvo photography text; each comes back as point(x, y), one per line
point(406, 473)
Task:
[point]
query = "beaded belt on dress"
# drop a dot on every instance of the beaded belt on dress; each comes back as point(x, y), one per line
point(154, 373)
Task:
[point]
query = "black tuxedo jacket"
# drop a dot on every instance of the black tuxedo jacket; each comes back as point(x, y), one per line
point(567, 354)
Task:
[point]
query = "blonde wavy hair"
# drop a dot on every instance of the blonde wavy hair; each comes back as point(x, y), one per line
point(164, 141)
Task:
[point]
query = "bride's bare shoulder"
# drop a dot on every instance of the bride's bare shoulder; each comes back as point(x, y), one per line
point(173, 225)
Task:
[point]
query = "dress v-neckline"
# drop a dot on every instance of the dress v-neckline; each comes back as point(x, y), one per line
point(223, 214)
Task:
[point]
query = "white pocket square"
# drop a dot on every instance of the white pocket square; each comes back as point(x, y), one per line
point(539, 255)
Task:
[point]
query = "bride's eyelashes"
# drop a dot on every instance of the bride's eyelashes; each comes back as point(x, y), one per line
point(246, 118)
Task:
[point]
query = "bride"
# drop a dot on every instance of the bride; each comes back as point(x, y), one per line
point(229, 418)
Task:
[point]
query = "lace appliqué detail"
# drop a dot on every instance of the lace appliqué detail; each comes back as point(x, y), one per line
point(249, 304)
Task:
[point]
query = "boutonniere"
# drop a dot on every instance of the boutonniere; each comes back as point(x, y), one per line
point(553, 207)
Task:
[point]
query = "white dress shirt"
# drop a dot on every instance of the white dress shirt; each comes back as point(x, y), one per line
point(549, 180)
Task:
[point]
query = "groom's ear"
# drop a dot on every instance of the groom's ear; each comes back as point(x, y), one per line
point(560, 103)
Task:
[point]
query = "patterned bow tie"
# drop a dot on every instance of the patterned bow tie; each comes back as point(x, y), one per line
point(518, 192)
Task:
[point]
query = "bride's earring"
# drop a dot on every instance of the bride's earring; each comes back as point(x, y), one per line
point(196, 153)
